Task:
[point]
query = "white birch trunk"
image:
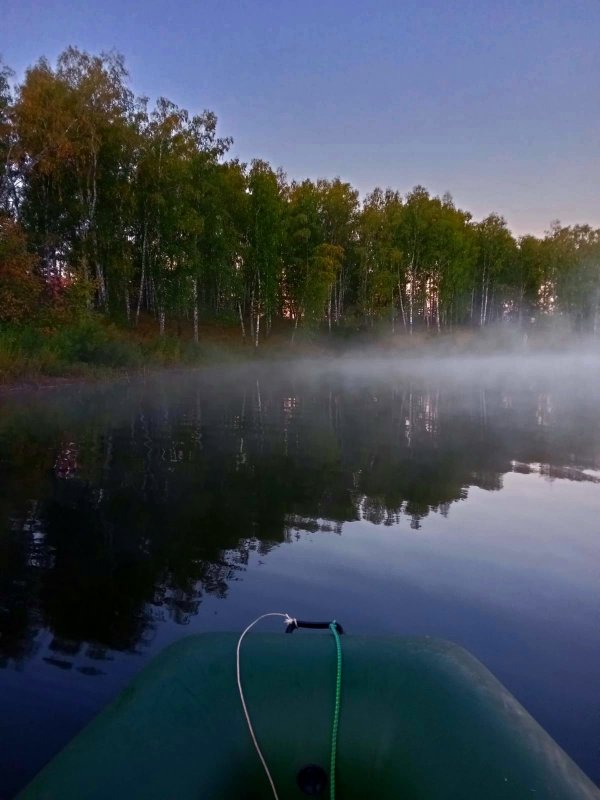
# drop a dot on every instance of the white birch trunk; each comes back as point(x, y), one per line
point(402, 306)
point(257, 329)
point(143, 275)
point(410, 302)
point(242, 321)
point(195, 308)
point(482, 309)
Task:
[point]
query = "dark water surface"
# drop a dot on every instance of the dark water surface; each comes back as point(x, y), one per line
point(455, 499)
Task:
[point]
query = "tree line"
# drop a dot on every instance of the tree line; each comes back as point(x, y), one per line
point(113, 205)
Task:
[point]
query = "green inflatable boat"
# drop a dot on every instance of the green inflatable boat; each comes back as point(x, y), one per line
point(420, 719)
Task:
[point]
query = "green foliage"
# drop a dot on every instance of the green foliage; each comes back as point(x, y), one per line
point(91, 342)
point(324, 267)
point(8, 171)
point(575, 256)
point(164, 351)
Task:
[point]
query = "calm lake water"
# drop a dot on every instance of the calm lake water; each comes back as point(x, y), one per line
point(450, 498)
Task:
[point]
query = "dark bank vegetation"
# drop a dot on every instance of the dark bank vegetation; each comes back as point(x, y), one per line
point(116, 215)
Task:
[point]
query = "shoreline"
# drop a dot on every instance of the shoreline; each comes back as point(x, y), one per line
point(103, 351)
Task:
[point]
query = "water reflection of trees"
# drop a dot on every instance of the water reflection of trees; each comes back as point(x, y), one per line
point(121, 508)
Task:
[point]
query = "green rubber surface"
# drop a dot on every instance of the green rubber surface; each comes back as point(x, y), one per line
point(421, 719)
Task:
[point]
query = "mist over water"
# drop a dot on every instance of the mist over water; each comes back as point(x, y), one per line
point(452, 496)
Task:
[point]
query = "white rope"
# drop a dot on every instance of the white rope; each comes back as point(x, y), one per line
point(288, 620)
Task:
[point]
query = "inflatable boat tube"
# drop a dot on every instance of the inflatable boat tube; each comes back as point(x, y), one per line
point(421, 719)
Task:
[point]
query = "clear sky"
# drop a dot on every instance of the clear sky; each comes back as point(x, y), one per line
point(497, 101)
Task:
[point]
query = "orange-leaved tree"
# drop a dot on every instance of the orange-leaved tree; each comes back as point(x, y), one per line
point(19, 285)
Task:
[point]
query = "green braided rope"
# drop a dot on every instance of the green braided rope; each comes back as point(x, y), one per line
point(336, 710)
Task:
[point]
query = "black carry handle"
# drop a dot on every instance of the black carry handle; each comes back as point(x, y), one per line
point(299, 623)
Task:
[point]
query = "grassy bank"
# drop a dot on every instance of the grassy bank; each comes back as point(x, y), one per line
point(93, 348)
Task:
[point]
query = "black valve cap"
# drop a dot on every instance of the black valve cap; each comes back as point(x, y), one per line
point(312, 780)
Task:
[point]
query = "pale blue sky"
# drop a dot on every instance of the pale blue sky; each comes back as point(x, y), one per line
point(497, 102)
